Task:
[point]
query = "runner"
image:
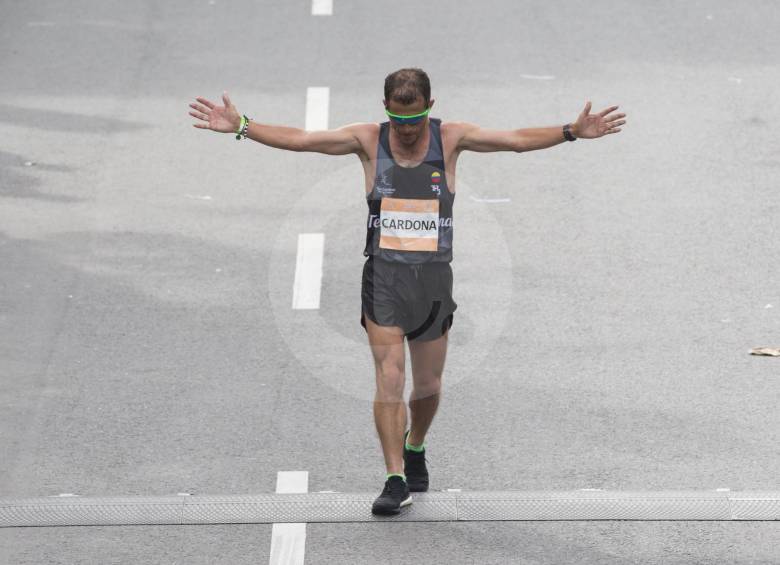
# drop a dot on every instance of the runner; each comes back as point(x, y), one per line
point(409, 164)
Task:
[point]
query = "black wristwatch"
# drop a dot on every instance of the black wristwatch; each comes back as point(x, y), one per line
point(567, 133)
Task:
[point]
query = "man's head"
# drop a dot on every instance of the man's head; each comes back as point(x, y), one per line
point(407, 93)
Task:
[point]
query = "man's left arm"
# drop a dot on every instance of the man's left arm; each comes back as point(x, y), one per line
point(587, 126)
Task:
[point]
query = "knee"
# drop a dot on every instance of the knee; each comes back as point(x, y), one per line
point(427, 385)
point(389, 383)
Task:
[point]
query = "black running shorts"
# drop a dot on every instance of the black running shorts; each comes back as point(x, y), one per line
point(418, 298)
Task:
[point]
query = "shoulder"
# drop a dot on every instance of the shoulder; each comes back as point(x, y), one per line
point(366, 133)
point(362, 129)
point(457, 128)
point(454, 132)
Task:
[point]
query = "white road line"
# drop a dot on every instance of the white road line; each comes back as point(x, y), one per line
point(317, 100)
point(288, 541)
point(308, 271)
point(491, 200)
point(321, 7)
point(538, 77)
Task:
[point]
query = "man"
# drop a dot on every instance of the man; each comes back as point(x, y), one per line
point(409, 164)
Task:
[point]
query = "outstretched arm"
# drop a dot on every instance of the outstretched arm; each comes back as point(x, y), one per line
point(341, 141)
point(226, 119)
point(587, 126)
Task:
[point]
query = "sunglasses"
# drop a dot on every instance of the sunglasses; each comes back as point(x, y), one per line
point(408, 119)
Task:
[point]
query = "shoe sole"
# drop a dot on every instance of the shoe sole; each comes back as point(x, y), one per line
point(391, 511)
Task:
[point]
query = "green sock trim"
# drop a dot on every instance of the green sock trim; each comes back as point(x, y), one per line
point(410, 447)
point(396, 475)
point(417, 448)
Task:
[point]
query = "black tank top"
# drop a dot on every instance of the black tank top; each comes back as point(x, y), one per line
point(410, 208)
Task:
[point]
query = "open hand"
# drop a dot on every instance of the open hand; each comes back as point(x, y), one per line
point(590, 125)
point(225, 119)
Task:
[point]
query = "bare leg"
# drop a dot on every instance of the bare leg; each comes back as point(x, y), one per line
point(387, 347)
point(427, 366)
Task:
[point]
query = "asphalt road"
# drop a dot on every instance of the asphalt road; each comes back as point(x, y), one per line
point(606, 303)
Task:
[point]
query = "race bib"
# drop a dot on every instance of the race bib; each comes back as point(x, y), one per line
point(409, 224)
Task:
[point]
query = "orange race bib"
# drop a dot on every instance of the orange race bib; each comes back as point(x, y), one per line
point(409, 224)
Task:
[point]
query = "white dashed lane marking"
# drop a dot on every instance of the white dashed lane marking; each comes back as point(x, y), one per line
point(317, 100)
point(321, 7)
point(288, 540)
point(308, 271)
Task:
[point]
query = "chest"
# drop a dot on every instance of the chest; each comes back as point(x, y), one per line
point(409, 158)
point(410, 165)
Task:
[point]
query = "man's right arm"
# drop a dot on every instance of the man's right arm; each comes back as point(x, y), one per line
point(341, 141)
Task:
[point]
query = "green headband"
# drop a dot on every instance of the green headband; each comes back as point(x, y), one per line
point(408, 116)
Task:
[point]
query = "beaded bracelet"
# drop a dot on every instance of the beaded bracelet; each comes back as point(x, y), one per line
point(243, 128)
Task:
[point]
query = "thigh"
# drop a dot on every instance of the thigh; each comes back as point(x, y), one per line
point(387, 346)
point(379, 296)
point(428, 359)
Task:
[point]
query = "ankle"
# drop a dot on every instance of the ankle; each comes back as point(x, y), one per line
point(411, 446)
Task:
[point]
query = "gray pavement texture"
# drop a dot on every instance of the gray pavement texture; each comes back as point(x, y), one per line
point(147, 344)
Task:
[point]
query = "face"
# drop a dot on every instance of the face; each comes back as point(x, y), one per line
point(408, 134)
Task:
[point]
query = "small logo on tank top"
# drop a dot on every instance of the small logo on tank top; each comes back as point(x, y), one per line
point(383, 186)
point(435, 180)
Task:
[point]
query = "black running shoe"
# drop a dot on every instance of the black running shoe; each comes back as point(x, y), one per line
point(394, 496)
point(415, 469)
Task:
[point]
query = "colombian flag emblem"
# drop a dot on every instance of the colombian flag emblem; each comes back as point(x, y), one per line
point(436, 177)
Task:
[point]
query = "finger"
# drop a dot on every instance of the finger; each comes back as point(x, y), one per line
point(615, 123)
point(614, 130)
point(204, 101)
point(586, 110)
point(614, 117)
point(200, 108)
point(607, 111)
point(200, 116)
point(226, 99)
point(201, 126)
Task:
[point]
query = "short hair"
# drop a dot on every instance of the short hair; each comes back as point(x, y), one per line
point(405, 85)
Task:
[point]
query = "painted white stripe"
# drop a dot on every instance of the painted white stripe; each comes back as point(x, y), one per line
point(317, 101)
point(308, 271)
point(538, 77)
point(288, 541)
point(491, 200)
point(292, 482)
point(321, 7)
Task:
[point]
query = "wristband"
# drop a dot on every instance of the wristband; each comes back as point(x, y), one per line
point(243, 128)
point(567, 133)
